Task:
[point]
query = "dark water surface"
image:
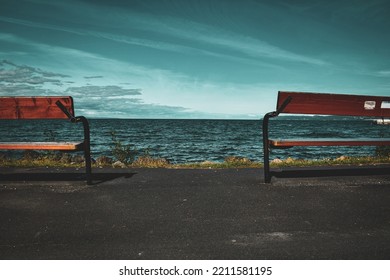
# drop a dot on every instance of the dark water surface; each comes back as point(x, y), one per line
point(199, 140)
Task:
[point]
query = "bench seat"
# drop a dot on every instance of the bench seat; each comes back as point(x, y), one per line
point(288, 143)
point(59, 146)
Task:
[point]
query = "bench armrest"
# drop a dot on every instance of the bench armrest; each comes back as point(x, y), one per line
point(284, 105)
point(69, 114)
point(66, 112)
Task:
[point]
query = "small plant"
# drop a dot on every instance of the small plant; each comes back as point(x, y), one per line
point(124, 153)
point(104, 161)
point(382, 151)
point(148, 161)
point(238, 161)
point(31, 155)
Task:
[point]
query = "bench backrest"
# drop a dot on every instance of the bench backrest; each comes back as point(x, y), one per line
point(34, 107)
point(334, 104)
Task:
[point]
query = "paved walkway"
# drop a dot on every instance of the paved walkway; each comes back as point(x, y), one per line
point(191, 214)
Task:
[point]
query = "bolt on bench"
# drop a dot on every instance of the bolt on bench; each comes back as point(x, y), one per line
point(323, 104)
point(58, 107)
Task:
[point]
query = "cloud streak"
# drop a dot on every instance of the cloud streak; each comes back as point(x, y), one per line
point(108, 101)
point(383, 73)
point(210, 41)
point(215, 37)
point(11, 73)
point(118, 102)
point(110, 92)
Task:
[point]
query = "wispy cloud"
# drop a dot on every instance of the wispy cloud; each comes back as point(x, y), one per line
point(173, 34)
point(208, 38)
point(211, 37)
point(108, 101)
point(66, 57)
point(119, 102)
point(258, 49)
point(154, 44)
point(40, 25)
point(383, 73)
point(93, 77)
point(110, 92)
point(10, 73)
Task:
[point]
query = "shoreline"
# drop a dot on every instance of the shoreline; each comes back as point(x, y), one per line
point(36, 159)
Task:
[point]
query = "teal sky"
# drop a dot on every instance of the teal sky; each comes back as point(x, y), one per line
point(191, 58)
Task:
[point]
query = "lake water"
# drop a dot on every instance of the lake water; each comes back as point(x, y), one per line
point(182, 141)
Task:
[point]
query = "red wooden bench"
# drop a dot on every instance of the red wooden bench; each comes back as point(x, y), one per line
point(59, 107)
point(323, 104)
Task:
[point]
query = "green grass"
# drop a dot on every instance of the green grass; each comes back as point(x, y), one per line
point(37, 163)
point(147, 161)
point(229, 162)
point(35, 159)
point(368, 160)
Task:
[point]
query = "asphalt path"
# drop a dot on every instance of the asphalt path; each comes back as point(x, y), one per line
point(48, 213)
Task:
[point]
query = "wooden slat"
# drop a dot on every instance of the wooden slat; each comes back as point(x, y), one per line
point(61, 146)
point(335, 104)
point(284, 143)
point(34, 107)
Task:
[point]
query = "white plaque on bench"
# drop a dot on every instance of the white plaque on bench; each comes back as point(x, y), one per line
point(385, 105)
point(369, 105)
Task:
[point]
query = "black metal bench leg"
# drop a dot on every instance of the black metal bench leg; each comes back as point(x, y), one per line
point(267, 174)
point(87, 149)
point(88, 166)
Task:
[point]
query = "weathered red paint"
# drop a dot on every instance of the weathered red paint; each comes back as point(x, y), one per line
point(335, 104)
point(34, 107)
